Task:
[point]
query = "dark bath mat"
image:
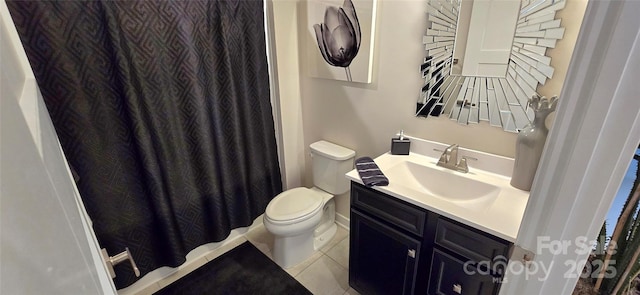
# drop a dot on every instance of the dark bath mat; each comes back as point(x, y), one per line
point(243, 270)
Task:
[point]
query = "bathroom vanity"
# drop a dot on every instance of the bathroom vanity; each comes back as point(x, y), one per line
point(433, 230)
point(399, 248)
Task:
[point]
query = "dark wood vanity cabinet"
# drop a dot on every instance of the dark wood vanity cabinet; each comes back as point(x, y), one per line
point(390, 266)
point(399, 248)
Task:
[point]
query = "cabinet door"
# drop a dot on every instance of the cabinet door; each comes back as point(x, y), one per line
point(382, 260)
point(450, 276)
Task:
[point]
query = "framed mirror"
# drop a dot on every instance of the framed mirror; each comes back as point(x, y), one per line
point(486, 58)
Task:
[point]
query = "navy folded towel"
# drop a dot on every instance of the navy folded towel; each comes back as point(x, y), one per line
point(370, 172)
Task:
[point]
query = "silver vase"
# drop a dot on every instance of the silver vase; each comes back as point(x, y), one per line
point(530, 143)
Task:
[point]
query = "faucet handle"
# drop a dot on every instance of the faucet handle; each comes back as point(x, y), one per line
point(469, 158)
point(444, 157)
point(462, 165)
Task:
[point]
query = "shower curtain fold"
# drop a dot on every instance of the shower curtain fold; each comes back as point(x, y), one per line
point(163, 110)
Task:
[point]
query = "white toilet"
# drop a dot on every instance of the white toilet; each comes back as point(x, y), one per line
point(302, 220)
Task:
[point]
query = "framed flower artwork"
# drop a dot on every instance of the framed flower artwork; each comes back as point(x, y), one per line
point(340, 39)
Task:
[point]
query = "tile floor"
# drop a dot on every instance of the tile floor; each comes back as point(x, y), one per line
point(324, 273)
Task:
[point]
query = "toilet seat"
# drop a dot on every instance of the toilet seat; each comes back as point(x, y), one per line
point(293, 206)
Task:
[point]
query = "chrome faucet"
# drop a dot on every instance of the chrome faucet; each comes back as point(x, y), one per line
point(449, 159)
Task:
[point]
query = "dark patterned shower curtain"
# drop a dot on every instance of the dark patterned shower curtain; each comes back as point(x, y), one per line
point(162, 108)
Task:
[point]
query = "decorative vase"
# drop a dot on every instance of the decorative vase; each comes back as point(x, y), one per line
point(531, 141)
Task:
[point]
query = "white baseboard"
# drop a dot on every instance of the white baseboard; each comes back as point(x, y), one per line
point(342, 221)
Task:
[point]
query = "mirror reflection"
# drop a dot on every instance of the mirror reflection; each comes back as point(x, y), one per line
point(484, 36)
point(486, 58)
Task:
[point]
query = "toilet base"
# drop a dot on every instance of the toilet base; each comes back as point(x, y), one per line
point(324, 238)
point(298, 248)
point(291, 250)
point(327, 227)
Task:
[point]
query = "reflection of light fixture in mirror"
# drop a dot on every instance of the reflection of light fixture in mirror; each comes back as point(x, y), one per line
point(498, 99)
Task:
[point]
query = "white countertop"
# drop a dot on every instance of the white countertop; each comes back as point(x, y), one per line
point(501, 217)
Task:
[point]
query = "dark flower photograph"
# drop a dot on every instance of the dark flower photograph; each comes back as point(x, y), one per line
point(343, 36)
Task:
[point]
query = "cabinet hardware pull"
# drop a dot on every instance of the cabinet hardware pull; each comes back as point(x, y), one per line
point(457, 288)
point(411, 253)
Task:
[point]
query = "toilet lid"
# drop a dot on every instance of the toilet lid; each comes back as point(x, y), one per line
point(292, 204)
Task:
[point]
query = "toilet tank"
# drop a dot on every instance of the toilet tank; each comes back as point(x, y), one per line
point(330, 163)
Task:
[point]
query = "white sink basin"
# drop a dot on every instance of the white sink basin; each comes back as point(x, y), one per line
point(432, 181)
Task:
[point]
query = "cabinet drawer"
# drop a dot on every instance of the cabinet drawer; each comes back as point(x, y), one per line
point(401, 214)
point(452, 276)
point(470, 243)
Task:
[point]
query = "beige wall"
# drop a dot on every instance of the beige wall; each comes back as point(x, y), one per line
point(364, 117)
point(286, 62)
point(571, 17)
